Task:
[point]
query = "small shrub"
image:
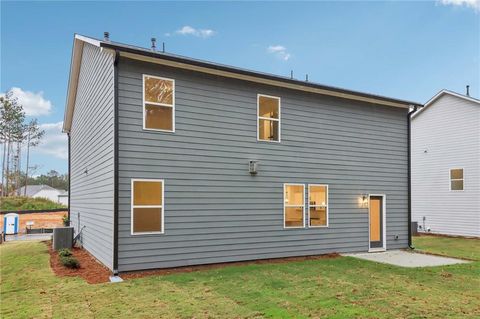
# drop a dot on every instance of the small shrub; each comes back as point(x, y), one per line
point(65, 252)
point(70, 262)
point(66, 221)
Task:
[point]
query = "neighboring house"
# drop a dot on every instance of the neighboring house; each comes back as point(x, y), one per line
point(446, 165)
point(63, 198)
point(43, 191)
point(176, 162)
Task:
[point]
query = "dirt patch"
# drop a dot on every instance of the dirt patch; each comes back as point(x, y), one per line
point(187, 269)
point(90, 269)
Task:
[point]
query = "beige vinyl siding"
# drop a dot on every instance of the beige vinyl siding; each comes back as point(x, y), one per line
point(446, 136)
point(92, 143)
point(215, 210)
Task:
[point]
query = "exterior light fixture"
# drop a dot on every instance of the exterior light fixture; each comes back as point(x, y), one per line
point(365, 200)
point(253, 167)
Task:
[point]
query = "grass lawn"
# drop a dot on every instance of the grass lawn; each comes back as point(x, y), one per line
point(335, 288)
point(448, 246)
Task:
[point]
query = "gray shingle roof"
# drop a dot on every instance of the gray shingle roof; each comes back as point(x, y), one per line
point(33, 189)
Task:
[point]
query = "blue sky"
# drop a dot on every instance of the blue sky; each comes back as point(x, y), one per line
point(408, 50)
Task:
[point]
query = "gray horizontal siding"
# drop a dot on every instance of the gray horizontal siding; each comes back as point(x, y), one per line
point(91, 194)
point(215, 211)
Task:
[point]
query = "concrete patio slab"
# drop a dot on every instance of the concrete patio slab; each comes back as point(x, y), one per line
point(410, 259)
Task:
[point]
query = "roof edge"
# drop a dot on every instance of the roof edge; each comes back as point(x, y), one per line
point(76, 59)
point(440, 94)
point(132, 50)
point(209, 67)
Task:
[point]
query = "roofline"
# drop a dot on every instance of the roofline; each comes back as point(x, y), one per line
point(226, 68)
point(441, 93)
point(177, 61)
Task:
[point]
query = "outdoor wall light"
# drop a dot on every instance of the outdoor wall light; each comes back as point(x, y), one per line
point(364, 201)
point(253, 167)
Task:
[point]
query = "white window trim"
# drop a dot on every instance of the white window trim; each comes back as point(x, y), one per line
point(269, 118)
point(450, 179)
point(132, 206)
point(326, 206)
point(158, 104)
point(285, 206)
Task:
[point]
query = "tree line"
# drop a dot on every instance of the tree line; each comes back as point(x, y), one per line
point(17, 136)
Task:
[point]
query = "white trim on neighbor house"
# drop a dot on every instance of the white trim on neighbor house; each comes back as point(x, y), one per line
point(441, 93)
point(269, 118)
point(132, 206)
point(450, 179)
point(158, 104)
point(285, 206)
point(326, 206)
point(384, 224)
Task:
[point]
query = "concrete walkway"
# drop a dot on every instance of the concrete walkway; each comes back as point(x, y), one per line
point(28, 237)
point(407, 259)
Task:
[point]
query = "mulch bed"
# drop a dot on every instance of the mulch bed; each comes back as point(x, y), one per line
point(90, 269)
point(187, 269)
point(94, 272)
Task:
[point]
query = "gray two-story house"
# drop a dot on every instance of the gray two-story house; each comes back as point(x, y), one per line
point(177, 162)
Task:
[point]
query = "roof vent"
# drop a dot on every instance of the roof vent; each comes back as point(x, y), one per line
point(154, 41)
point(468, 90)
point(106, 36)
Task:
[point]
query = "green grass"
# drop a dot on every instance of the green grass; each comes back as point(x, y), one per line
point(343, 287)
point(27, 203)
point(449, 246)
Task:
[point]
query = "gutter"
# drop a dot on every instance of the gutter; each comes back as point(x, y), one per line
point(409, 161)
point(115, 164)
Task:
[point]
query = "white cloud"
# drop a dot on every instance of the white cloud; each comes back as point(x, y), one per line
point(474, 4)
point(188, 30)
point(54, 143)
point(34, 104)
point(279, 51)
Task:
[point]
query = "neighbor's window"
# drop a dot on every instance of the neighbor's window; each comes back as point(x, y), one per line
point(456, 179)
point(294, 205)
point(268, 118)
point(147, 206)
point(158, 103)
point(318, 205)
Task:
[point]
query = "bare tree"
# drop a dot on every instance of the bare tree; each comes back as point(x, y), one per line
point(12, 118)
point(34, 137)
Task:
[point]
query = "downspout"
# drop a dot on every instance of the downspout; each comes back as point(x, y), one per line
point(115, 165)
point(409, 161)
point(69, 177)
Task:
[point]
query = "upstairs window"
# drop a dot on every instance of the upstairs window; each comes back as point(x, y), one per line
point(456, 179)
point(294, 205)
point(318, 205)
point(158, 103)
point(147, 206)
point(268, 109)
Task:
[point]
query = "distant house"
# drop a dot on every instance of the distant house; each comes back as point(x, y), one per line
point(63, 198)
point(446, 165)
point(43, 191)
